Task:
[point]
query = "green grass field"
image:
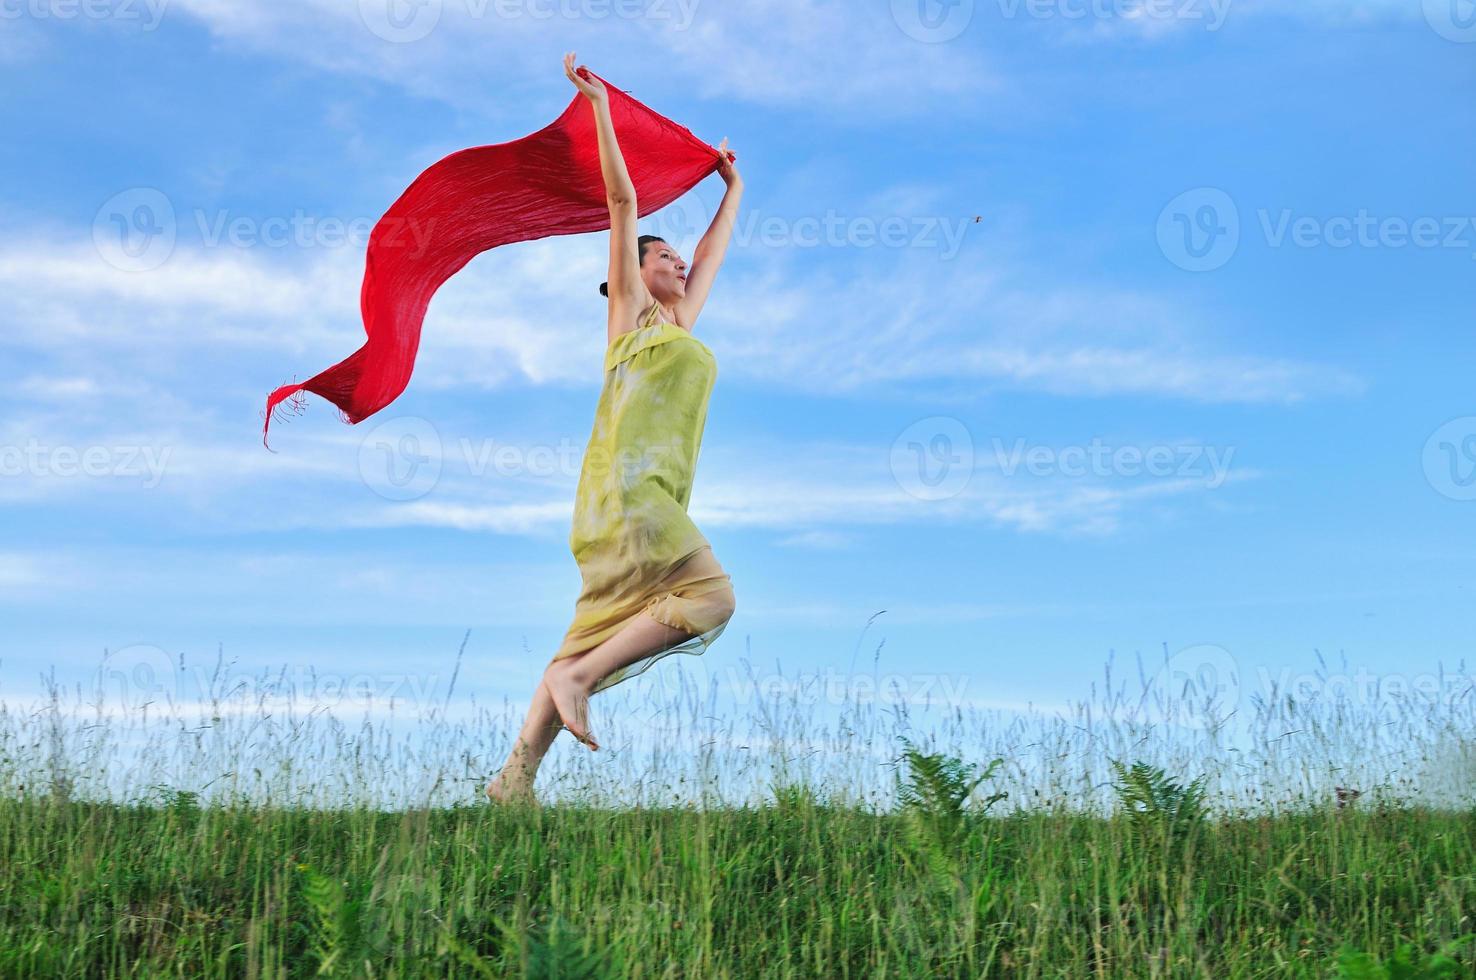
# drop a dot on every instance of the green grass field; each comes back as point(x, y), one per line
point(793, 889)
point(966, 869)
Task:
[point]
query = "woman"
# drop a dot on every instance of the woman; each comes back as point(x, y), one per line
point(652, 586)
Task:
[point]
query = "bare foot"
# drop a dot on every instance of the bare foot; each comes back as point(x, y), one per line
point(504, 790)
point(571, 698)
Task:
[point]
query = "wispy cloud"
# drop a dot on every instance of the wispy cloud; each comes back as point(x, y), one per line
point(839, 334)
point(821, 495)
point(58, 388)
point(169, 587)
point(20, 42)
point(842, 56)
point(819, 540)
point(819, 328)
point(23, 575)
point(1105, 22)
point(816, 494)
point(61, 295)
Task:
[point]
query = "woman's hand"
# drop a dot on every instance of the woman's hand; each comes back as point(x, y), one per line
point(592, 87)
point(726, 167)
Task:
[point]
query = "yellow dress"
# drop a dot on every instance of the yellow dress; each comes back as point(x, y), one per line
point(636, 548)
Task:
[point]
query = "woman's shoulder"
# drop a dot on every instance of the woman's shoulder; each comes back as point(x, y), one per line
point(621, 323)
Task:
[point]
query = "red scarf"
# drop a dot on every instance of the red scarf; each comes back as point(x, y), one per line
point(547, 183)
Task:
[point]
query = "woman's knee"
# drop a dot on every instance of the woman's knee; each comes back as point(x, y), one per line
point(707, 612)
point(724, 604)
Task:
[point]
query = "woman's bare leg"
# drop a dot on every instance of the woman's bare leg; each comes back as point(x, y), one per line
point(570, 680)
point(539, 730)
point(641, 636)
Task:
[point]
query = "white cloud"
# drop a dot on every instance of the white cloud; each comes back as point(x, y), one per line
point(818, 539)
point(840, 55)
point(204, 477)
point(21, 42)
point(63, 293)
point(170, 587)
point(22, 574)
point(816, 491)
point(58, 388)
point(512, 315)
point(116, 345)
point(509, 315)
point(821, 331)
point(1119, 21)
point(497, 518)
point(826, 52)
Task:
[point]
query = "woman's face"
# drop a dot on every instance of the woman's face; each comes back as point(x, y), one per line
point(664, 272)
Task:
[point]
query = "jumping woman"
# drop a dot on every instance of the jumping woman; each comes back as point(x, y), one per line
point(652, 585)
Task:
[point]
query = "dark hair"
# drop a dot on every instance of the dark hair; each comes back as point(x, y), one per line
point(641, 244)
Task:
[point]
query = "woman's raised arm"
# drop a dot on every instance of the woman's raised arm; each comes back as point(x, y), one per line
point(708, 256)
point(626, 290)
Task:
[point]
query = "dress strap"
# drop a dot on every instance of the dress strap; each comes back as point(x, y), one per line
point(650, 317)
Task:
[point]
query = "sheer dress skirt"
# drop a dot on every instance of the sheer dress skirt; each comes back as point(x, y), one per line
point(696, 597)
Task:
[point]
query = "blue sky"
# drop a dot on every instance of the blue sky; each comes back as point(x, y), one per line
point(1234, 239)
